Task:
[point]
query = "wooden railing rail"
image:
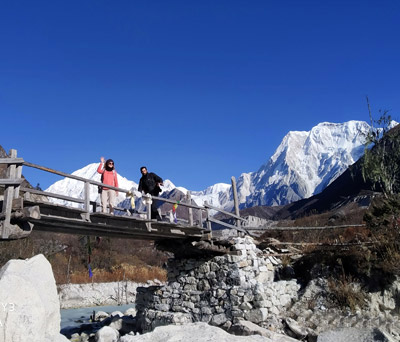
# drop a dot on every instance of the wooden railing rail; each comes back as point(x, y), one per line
point(183, 204)
point(318, 228)
point(92, 182)
point(51, 194)
point(224, 212)
point(222, 223)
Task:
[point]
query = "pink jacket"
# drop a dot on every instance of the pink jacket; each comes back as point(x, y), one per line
point(109, 177)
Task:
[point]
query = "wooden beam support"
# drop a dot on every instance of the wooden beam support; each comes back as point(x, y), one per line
point(6, 181)
point(11, 160)
point(6, 226)
point(27, 213)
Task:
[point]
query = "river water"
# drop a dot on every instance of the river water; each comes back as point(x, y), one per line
point(76, 317)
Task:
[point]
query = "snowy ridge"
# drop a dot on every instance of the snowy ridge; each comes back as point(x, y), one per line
point(217, 195)
point(303, 165)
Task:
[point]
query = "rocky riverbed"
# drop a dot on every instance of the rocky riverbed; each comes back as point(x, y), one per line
point(229, 297)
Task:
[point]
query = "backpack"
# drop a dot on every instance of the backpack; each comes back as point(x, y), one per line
point(99, 187)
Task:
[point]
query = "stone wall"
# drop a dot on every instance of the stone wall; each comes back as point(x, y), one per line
point(220, 290)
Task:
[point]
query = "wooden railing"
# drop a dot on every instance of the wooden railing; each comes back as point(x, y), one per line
point(13, 180)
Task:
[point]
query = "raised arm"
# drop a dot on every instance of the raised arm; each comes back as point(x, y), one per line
point(100, 169)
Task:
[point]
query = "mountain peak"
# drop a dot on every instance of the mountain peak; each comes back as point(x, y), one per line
point(305, 163)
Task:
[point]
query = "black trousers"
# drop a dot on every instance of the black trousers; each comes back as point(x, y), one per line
point(154, 212)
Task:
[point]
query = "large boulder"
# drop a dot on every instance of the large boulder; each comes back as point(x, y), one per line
point(30, 309)
point(193, 332)
point(107, 334)
point(353, 334)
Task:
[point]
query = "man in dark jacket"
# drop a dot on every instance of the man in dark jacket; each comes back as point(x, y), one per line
point(150, 184)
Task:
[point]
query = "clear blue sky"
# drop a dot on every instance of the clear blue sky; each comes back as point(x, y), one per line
point(198, 91)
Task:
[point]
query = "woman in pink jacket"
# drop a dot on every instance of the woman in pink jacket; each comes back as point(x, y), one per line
point(108, 177)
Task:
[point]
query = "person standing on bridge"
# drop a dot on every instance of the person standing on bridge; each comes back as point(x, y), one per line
point(108, 177)
point(150, 184)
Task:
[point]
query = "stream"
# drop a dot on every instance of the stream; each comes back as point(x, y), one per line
point(79, 316)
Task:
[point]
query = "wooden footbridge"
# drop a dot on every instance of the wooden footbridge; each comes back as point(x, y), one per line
point(24, 208)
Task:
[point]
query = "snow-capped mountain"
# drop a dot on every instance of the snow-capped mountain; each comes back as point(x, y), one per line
point(302, 165)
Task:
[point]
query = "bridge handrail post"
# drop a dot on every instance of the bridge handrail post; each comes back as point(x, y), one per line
point(18, 175)
point(200, 218)
point(148, 201)
point(11, 191)
point(235, 200)
point(189, 200)
point(86, 204)
point(148, 205)
point(207, 216)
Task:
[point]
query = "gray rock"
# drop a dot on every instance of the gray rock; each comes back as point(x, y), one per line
point(219, 319)
point(75, 338)
point(84, 337)
point(116, 323)
point(100, 316)
point(116, 313)
point(195, 332)
point(246, 328)
point(298, 331)
point(107, 334)
point(354, 335)
point(256, 315)
point(130, 312)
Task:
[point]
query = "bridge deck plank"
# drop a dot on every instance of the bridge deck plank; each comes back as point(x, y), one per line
point(62, 225)
point(63, 219)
